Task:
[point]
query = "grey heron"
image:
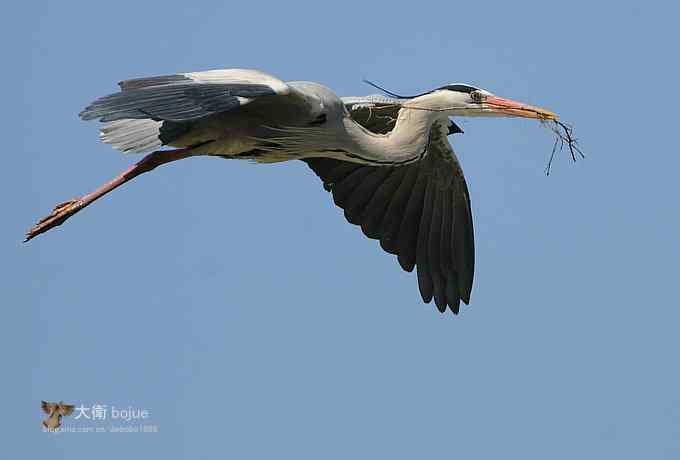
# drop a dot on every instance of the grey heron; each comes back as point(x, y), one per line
point(385, 159)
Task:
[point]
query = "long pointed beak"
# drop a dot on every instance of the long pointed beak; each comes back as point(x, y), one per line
point(517, 109)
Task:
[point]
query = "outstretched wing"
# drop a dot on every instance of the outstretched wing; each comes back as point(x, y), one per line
point(420, 212)
point(48, 407)
point(184, 97)
point(378, 113)
point(150, 112)
point(66, 409)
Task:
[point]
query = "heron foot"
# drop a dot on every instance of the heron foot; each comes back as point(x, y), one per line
point(59, 214)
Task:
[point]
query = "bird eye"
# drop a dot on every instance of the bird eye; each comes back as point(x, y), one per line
point(476, 96)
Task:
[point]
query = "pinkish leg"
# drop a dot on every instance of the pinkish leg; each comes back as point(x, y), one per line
point(65, 210)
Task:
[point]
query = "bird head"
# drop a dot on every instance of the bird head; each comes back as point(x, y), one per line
point(463, 100)
point(468, 101)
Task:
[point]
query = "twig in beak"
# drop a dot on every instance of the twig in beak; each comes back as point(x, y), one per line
point(564, 135)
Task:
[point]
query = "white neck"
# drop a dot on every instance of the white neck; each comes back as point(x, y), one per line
point(407, 141)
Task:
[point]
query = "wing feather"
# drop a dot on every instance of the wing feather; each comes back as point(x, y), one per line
point(420, 212)
point(363, 194)
point(463, 242)
point(183, 102)
point(408, 230)
point(376, 209)
point(66, 409)
point(342, 191)
point(153, 111)
point(424, 268)
point(434, 250)
point(48, 407)
point(389, 239)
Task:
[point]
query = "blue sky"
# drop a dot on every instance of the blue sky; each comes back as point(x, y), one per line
point(235, 304)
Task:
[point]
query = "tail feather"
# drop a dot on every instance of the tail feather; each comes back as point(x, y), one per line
point(132, 136)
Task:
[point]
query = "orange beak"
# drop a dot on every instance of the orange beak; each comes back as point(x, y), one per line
point(517, 109)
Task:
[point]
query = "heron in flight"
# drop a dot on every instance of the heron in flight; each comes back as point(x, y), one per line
point(385, 159)
point(55, 412)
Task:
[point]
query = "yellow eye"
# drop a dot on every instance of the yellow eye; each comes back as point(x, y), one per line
point(476, 96)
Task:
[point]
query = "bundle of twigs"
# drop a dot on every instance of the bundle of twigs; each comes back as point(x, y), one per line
point(564, 136)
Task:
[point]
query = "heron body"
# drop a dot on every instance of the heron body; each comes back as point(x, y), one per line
point(385, 159)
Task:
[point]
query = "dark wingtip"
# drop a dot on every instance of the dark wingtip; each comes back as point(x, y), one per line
point(406, 265)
